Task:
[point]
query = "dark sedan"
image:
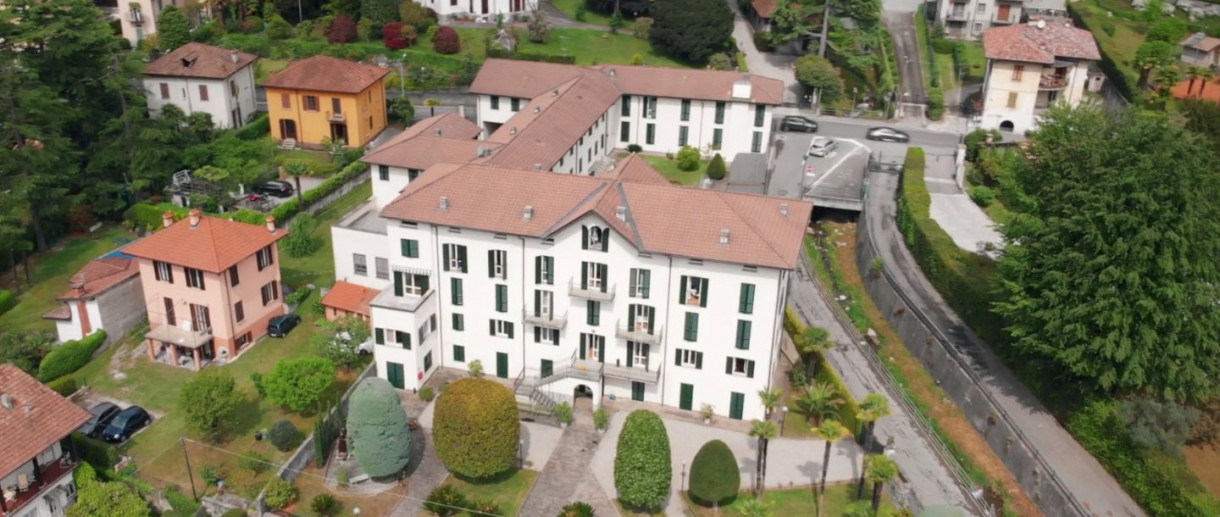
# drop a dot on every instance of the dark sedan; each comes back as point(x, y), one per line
point(796, 123)
point(100, 417)
point(275, 188)
point(280, 326)
point(126, 424)
point(885, 134)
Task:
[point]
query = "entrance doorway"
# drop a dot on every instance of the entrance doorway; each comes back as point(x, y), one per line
point(1006, 126)
point(288, 129)
point(582, 391)
point(338, 132)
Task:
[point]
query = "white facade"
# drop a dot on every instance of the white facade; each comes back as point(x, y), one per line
point(117, 310)
point(479, 8)
point(1016, 93)
point(52, 499)
point(138, 18)
point(968, 19)
point(229, 101)
point(523, 319)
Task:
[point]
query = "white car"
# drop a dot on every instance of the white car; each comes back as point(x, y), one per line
point(822, 146)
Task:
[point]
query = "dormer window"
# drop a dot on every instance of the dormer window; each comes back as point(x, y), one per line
point(594, 238)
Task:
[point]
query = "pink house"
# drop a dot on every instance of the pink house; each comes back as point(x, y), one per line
point(210, 287)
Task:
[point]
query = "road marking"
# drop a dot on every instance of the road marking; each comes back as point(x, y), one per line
point(830, 170)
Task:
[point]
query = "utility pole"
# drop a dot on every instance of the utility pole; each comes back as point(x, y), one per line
point(825, 29)
point(189, 474)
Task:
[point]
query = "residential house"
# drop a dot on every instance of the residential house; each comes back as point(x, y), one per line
point(323, 97)
point(210, 287)
point(105, 294)
point(1199, 49)
point(620, 284)
point(568, 118)
point(1031, 66)
point(201, 78)
point(484, 9)
point(35, 465)
point(348, 299)
point(138, 18)
point(969, 19)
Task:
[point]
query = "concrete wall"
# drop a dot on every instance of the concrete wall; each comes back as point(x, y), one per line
point(950, 364)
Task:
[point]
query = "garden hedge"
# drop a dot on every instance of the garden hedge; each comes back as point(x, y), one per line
point(65, 385)
point(101, 455)
point(642, 469)
point(826, 374)
point(529, 56)
point(476, 428)
point(291, 207)
point(714, 475)
point(258, 127)
point(7, 301)
point(378, 427)
point(70, 357)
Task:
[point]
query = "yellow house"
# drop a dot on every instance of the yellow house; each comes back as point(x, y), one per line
point(326, 97)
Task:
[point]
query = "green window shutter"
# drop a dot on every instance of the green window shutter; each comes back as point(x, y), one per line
point(405, 247)
point(584, 237)
point(491, 263)
point(745, 303)
point(652, 313)
point(501, 298)
point(491, 327)
point(728, 365)
point(537, 301)
point(605, 239)
point(422, 282)
point(458, 324)
point(398, 283)
point(601, 351)
point(692, 326)
point(379, 336)
point(403, 339)
point(703, 293)
point(698, 360)
point(537, 334)
point(549, 265)
point(631, 316)
point(445, 253)
point(645, 280)
point(459, 353)
point(602, 271)
point(743, 335)
point(677, 357)
point(455, 285)
point(410, 248)
point(750, 369)
point(584, 341)
point(462, 258)
point(633, 281)
point(508, 326)
point(682, 291)
point(594, 312)
point(584, 275)
point(538, 270)
point(630, 352)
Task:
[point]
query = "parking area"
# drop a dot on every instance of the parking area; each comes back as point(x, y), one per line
point(89, 398)
point(839, 173)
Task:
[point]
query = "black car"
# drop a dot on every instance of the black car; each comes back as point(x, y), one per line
point(126, 423)
point(275, 188)
point(796, 123)
point(885, 134)
point(280, 326)
point(102, 414)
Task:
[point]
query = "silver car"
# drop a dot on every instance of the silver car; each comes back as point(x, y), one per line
point(822, 146)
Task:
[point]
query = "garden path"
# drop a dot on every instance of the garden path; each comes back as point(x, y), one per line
point(568, 477)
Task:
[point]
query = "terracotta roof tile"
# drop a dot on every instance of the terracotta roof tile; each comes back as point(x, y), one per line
point(1028, 43)
point(213, 245)
point(39, 418)
point(660, 217)
point(540, 139)
point(1201, 42)
point(448, 137)
point(451, 125)
point(326, 74)
point(1202, 89)
point(99, 275)
point(62, 312)
point(201, 61)
point(764, 8)
point(350, 297)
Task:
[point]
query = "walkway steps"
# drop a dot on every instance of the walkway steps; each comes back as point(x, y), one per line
point(568, 476)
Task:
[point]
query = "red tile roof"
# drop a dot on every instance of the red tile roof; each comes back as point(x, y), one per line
point(38, 419)
point(1202, 89)
point(200, 61)
point(1028, 43)
point(764, 8)
point(350, 297)
point(62, 312)
point(448, 137)
point(660, 217)
point(213, 245)
point(99, 275)
point(326, 74)
point(540, 139)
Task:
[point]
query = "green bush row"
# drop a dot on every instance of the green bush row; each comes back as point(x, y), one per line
point(258, 127)
point(1123, 82)
point(529, 56)
point(97, 453)
point(290, 208)
point(70, 357)
point(826, 374)
point(7, 301)
point(65, 385)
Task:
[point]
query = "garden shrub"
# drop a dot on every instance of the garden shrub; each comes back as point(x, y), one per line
point(642, 27)
point(65, 385)
point(762, 41)
point(70, 356)
point(427, 394)
point(7, 301)
point(601, 418)
point(325, 505)
point(642, 467)
point(823, 372)
point(255, 461)
point(688, 158)
point(975, 140)
point(391, 36)
point(378, 428)
point(297, 383)
point(284, 436)
point(577, 509)
point(447, 41)
point(299, 295)
point(476, 428)
point(483, 507)
point(212, 474)
point(101, 455)
point(444, 500)
point(982, 196)
point(341, 30)
point(716, 168)
point(279, 493)
point(1108, 28)
point(714, 476)
point(290, 208)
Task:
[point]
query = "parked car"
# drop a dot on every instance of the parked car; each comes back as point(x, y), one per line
point(885, 134)
point(280, 326)
point(822, 146)
point(101, 415)
point(126, 424)
point(275, 188)
point(798, 123)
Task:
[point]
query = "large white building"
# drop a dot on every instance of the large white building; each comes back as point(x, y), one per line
point(201, 78)
point(479, 8)
point(969, 19)
point(1030, 67)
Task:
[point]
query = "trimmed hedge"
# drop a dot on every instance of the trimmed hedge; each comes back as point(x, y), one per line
point(7, 301)
point(1125, 84)
point(65, 385)
point(476, 428)
point(714, 475)
point(257, 128)
point(642, 468)
point(70, 357)
point(529, 56)
point(825, 373)
point(101, 455)
point(291, 207)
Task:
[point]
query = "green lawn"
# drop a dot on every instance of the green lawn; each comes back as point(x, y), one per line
point(508, 491)
point(1128, 35)
point(795, 424)
point(50, 273)
point(840, 500)
point(669, 169)
point(976, 59)
point(319, 268)
point(569, 8)
point(592, 46)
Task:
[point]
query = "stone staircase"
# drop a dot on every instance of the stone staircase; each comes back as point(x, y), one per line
point(288, 144)
point(530, 386)
point(602, 166)
point(531, 399)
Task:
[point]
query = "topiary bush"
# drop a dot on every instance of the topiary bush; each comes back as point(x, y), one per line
point(325, 505)
point(634, 148)
point(716, 169)
point(279, 493)
point(688, 158)
point(447, 41)
point(714, 475)
point(476, 429)
point(284, 436)
point(65, 385)
point(378, 428)
point(70, 357)
point(642, 467)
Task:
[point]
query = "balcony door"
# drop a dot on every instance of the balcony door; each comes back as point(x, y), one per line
point(1004, 11)
point(288, 129)
point(545, 303)
point(637, 355)
point(338, 132)
point(641, 318)
point(593, 272)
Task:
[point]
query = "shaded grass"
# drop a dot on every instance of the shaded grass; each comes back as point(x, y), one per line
point(508, 490)
point(669, 169)
point(310, 484)
point(50, 274)
point(568, 7)
point(592, 46)
point(840, 501)
point(319, 267)
point(1128, 35)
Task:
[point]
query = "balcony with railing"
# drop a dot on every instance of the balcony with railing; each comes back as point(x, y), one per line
point(136, 16)
point(336, 116)
point(647, 372)
point(411, 300)
point(1052, 82)
point(30, 487)
point(640, 332)
point(600, 291)
point(958, 13)
point(546, 319)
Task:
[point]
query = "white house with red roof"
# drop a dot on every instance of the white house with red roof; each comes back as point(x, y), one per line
point(105, 294)
point(1032, 66)
point(202, 78)
point(35, 460)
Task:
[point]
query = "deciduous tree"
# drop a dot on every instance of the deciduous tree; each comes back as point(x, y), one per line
point(691, 30)
point(298, 383)
point(340, 340)
point(173, 29)
point(116, 498)
point(210, 400)
point(816, 73)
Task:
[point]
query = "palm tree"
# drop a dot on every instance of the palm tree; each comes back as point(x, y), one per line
point(432, 104)
point(765, 431)
point(831, 431)
point(296, 169)
point(754, 508)
point(881, 470)
point(813, 340)
point(818, 401)
point(872, 408)
point(1205, 75)
point(1193, 73)
point(1167, 77)
point(770, 399)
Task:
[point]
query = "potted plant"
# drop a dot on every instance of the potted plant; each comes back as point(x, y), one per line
point(564, 413)
point(708, 411)
point(601, 419)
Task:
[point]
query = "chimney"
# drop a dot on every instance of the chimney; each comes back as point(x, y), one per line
point(529, 213)
point(195, 217)
point(611, 72)
point(537, 109)
point(783, 209)
point(28, 406)
point(537, 166)
point(271, 223)
point(438, 132)
point(233, 56)
point(724, 237)
point(444, 203)
point(167, 219)
point(621, 213)
point(6, 400)
point(512, 130)
point(481, 151)
point(462, 110)
point(78, 289)
point(555, 92)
